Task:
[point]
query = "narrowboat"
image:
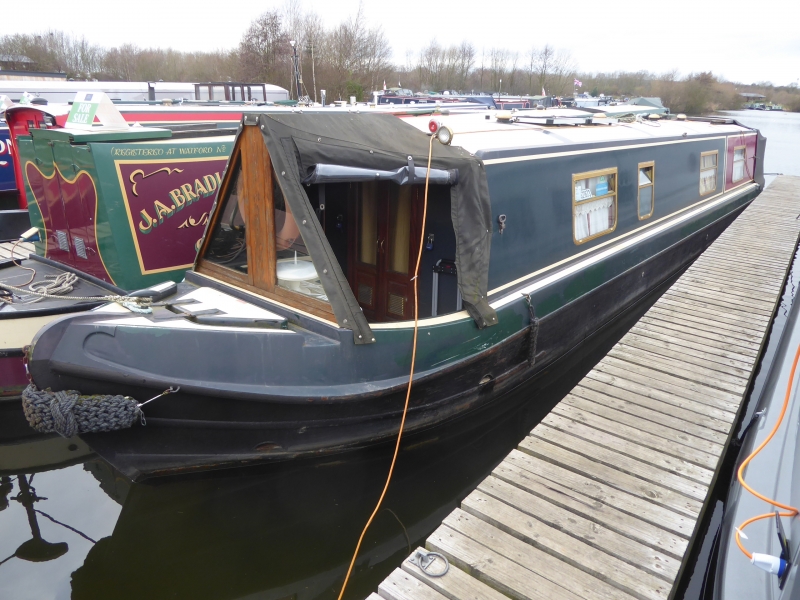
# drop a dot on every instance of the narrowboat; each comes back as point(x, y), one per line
point(293, 333)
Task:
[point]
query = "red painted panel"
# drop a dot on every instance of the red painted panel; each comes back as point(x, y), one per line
point(12, 376)
point(733, 142)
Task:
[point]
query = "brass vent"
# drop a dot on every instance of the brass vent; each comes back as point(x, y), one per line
point(397, 305)
point(364, 294)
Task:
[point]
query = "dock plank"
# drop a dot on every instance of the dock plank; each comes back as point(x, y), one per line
point(455, 584)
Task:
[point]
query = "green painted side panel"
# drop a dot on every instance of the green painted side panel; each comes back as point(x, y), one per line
point(128, 212)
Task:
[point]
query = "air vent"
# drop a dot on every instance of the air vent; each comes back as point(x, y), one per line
point(80, 248)
point(397, 305)
point(63, 241)
point(364, 294)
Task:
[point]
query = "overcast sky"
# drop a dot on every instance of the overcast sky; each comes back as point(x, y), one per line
point(739, 40)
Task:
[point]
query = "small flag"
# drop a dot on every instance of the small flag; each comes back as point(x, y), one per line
point(578, 83)
point(384, 85)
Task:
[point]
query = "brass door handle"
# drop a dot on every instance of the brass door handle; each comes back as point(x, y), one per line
point(380, 245)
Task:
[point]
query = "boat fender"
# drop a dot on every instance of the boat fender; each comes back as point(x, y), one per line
point(68, 413)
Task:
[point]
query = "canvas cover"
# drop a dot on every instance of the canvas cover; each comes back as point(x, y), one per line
point(298, 142)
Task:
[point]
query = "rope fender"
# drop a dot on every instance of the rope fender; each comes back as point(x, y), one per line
point(68, 413)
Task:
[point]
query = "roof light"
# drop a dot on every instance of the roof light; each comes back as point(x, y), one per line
point(445, 135)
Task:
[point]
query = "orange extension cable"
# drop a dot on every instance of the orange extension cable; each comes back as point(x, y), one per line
point(410, 378)
point(791, 511)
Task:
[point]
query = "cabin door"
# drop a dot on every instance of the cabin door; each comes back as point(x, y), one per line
point(386, 244)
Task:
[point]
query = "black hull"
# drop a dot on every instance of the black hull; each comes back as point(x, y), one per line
point(237, 432)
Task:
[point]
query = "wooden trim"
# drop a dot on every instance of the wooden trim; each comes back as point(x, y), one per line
point(716, 169)
point(588, 175)
point(644, 165)
point(257, 187)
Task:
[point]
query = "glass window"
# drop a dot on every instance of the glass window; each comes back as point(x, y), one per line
point(594, 204)
point(708, 172)
point(647, 173)
point(368, 223)
point(399, 227)
point(739, 154)
point(294, 270)
point(228, 244)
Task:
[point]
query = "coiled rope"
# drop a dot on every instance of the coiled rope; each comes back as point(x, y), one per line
point(141, 301)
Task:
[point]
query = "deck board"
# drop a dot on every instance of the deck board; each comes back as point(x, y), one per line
point(601, 499)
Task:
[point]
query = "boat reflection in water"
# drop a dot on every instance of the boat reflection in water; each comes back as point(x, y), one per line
point(287, 530)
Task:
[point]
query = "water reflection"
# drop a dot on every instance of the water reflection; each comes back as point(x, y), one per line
point(277, 531)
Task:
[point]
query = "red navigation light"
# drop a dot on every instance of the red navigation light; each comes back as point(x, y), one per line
point(433, 126)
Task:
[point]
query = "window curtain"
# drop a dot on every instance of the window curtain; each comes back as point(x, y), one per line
point(593, 217)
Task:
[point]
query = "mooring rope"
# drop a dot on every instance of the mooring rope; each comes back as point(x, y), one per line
point(140, 300)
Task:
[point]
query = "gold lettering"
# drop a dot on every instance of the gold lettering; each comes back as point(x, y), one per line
point(219, 179)
point(178, 198)
point(200, 189)
point(146, 224)
point(187, 191)
point(161, 210)
point(210, 183)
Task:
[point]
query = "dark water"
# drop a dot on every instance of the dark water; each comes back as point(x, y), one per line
point(274, 532)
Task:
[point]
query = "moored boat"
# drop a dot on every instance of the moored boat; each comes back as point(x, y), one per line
point(292, 335)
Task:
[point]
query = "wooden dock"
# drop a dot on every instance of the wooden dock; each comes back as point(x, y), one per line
point(602, 499)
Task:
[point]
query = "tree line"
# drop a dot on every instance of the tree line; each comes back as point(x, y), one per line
point(353, 58)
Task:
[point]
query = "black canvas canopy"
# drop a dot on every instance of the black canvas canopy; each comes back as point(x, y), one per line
point(299, 143)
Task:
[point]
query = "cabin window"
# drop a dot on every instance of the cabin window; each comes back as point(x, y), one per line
point(708, 172)
point(647, 173)
point(594, 204)
point(739, 155)
point(228, 243)
point(294, 269)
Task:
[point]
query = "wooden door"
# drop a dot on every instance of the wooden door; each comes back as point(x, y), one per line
point(385, 246)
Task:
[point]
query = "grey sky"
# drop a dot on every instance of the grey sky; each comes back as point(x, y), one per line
point(739, 40)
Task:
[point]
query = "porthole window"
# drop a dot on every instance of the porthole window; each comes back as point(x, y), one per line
point(594, 204)
point(647, 179)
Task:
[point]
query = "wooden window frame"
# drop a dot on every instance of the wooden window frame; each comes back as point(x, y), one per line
point(716, 169)
point(588, 175)
point(261, 276)
point(733, 164)
point(652, 184)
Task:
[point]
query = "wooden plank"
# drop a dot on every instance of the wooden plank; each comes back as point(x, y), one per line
point(479, 554)
point(599, 471)
point(668, 441)
point(681, 368)
point(525, 558)
point(733, 288)
point(708, 300)
point(702, 310)
point(637, 466)
point(758, 301)
point(402, 586)
point(637, 503)
point(621, 444)
point(722, 300)
point(657, 413)
point(620, 386)
point(506, 506)
point(712, 353)
point(593, 510)
point(709, 277)
point(602, 565)
point(672, 314)
point(656, 429)
point(698, 333)
point(455, 584)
